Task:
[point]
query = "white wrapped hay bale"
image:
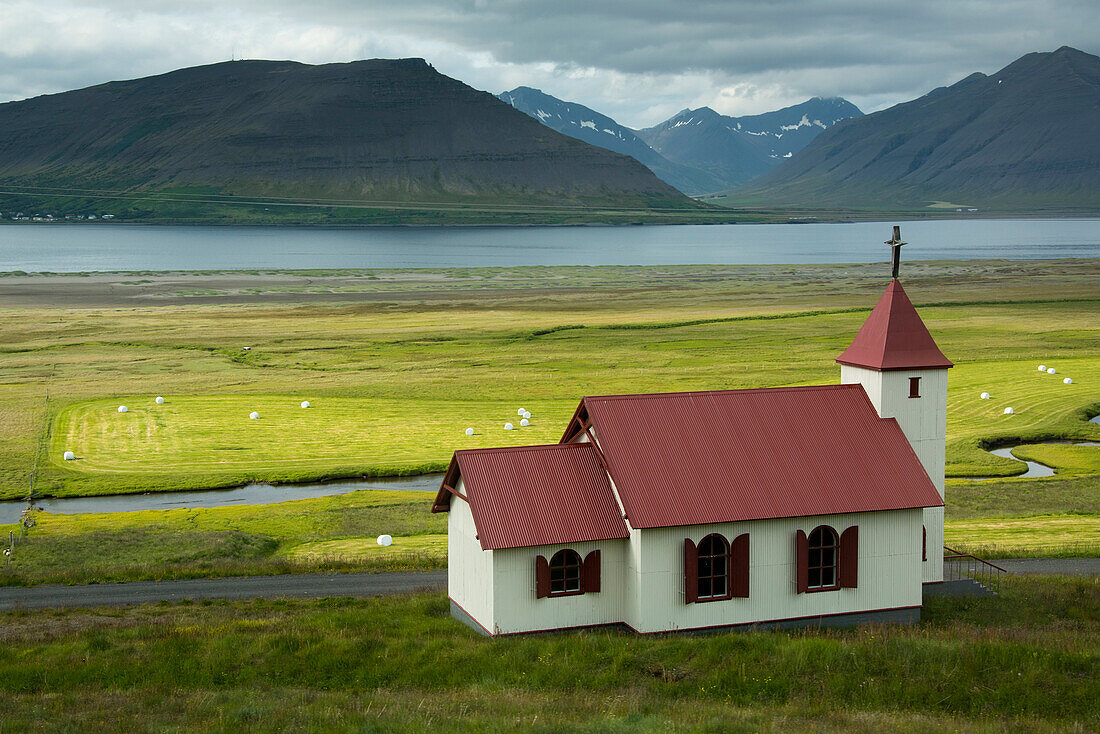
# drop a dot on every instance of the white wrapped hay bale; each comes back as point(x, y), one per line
point(123, 409)
point(159, 400)
point(305, 403)
point(984, 396)
point(469, 431)
point(520, 412)
point(1042, 368)
point(1009, 411)
point(253, 415)
point(1052, 371)
point(385, 540)
point(525, 422)
point(1067, 381)
point(69, 456)
point(527, 414)
point(508, 426)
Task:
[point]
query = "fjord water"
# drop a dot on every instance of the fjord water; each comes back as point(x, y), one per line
point(67, 248)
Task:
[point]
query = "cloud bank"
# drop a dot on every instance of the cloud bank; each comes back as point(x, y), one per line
point(639, 61)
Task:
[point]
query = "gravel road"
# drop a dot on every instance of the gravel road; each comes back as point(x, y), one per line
point(303, 586)
point(314, 586)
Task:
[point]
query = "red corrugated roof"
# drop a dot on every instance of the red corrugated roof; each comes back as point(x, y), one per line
point(535, 495)
point(705, 457)
point(893, 337)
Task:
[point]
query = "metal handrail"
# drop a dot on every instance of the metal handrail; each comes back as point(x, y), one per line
point(959, 566)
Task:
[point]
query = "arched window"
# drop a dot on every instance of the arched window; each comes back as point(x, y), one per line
point(716, 569)
point(821, 564)
point(825, 561)
point(713, 561)
point(565, 573)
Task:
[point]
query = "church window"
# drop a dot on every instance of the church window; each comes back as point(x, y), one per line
point(716, 569)
point(914, 387)
point(565, 574)
point(821, 564)
point(826, 561)
point(713, 561)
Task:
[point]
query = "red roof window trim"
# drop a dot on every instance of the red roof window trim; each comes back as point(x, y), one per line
point(442, 501)
point(577, 424)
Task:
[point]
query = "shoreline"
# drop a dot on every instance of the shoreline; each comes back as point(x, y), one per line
point(793, 217)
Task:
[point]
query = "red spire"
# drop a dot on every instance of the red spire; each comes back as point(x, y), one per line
point(893, 337)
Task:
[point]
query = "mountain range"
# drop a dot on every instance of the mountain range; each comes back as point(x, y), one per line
point(698, 151)
point(387, 130)
point(1025, 137)
point(380, 134)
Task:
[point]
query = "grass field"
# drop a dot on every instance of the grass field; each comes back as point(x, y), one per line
point(319, 534)
point(1024, 661)
point(395, 379)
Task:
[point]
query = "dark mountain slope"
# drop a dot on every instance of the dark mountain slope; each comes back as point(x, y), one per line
point(375, 129)
point(1025, 137)
point(584, 123)
point(738, 149)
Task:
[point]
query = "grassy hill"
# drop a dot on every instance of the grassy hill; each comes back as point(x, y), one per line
point(376, 133)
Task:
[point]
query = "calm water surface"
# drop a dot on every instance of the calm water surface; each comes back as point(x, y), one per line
point(98, 247)
point(252, 494)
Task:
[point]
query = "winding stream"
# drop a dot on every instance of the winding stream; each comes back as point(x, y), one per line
point(263, 494)
point(250, 494)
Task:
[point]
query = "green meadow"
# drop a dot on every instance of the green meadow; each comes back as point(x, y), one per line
point(398, 363)
point(1024, 661)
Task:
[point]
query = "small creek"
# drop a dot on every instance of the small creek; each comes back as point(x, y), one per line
point(250, 494)
point(1034, 468)
point(264, 494)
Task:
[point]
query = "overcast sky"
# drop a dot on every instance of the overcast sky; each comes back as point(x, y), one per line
point(639, 61)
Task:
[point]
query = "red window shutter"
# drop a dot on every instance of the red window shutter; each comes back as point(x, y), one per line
point(924, 543)
point(849, 558)
point(691, 572)
point(739, 567)
point(590, 573)
point(542, 577)
point(801, 561)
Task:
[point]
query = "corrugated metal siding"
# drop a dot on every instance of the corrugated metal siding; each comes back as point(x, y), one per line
point(889, 572)
point(726, 456)
point(893, 337)
point(517, 609)
point(539, 495)
point(469, 568)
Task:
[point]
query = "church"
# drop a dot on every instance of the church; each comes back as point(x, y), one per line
point(773, 507)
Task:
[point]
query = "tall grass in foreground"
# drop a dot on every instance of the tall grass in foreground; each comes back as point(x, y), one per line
point(1026, 660)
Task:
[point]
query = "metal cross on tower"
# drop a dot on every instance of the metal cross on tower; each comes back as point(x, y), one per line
point(895, 247)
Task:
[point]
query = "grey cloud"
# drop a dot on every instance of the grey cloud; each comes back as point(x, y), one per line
point(635, 60)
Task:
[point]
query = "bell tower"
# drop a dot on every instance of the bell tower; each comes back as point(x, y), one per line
point(905, 375)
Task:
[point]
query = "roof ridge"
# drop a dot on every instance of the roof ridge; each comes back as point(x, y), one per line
point(630, 396)
point(533, 447)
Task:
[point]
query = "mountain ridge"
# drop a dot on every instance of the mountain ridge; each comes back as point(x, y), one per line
point(1021, 137)
point(725, 152)
point(378, 128)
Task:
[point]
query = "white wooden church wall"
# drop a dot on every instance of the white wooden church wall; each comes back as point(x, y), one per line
point(469, 568)
point(518, 610)
point(889, 572)
point(924, 422)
